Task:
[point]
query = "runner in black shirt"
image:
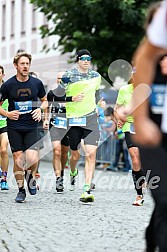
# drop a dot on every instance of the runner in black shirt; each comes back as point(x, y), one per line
point(22, 92)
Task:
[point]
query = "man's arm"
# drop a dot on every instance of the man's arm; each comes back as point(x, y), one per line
point(44, 104)
point(12, 115)
point(145, 60)
point(52, 97)
point(121, 120)
point(36, 113)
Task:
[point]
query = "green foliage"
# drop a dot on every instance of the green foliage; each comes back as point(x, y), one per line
point(110, 30)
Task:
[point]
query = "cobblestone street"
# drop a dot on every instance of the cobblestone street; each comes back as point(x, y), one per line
point(60, 223)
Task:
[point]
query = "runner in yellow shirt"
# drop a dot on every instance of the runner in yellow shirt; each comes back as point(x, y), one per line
point(124, 99)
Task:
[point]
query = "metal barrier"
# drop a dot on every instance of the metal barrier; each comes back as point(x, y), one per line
point(105, 152)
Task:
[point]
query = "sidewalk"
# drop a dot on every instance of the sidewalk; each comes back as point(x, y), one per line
point(60, 223)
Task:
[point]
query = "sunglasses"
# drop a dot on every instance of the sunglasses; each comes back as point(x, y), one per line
point(85, 58)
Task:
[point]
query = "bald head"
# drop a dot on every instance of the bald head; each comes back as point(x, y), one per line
point(59, 76)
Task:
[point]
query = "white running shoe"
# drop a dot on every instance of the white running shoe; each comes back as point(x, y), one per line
point(139, 200)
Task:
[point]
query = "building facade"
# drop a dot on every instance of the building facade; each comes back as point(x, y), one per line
point(19, 29)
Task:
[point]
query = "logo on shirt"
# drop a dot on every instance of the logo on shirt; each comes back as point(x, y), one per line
point(23, 92)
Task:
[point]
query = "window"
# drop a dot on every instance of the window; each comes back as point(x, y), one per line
point(45, 21)
point(12, 18)
point(23, 16)
point(34, 21)
point(3, 21)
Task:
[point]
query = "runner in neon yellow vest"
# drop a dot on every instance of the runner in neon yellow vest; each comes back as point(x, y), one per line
point(82, 116)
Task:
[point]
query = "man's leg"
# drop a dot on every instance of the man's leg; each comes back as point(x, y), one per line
point(57, 158)
point(18, 170)
point(90, 160)
point(30, 147)
point(57, 166)
point(75, 136)
point(31, 157)
point(91, 138)
point(15, 140)
point(127, 164)
point(75, 156)
point(64, 157)
point(58, 135)
point(31, 160)
point(137, 174)
point(4, 160)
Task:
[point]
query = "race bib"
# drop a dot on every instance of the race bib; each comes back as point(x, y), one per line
point(60, 122)
point(24, 107)
point(164, 116)
point(157, 98)
point(81, 121)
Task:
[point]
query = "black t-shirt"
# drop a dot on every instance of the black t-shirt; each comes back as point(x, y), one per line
point(22, 96)
point(55, 101)
point(157, 97)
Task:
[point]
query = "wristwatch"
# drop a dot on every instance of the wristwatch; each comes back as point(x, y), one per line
point(42, 110)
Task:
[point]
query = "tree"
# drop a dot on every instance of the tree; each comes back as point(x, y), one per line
point(109, 29)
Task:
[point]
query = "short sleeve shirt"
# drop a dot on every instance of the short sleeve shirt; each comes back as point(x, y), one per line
point(123, 99)
point(76, 83)
point(157, 30)
point(22, 96)
point(3, 122)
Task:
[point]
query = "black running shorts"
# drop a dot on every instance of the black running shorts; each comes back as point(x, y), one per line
point(3, 130)
point(23, 140)
point(128, 139)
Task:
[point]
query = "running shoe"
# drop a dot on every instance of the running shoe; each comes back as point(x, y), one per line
point(139, 200)
point(73, 179)
point(87, 197)
point(92, 186)
point(4, 185)
point(20, 198)
point(31, 183)
point(59, 185)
